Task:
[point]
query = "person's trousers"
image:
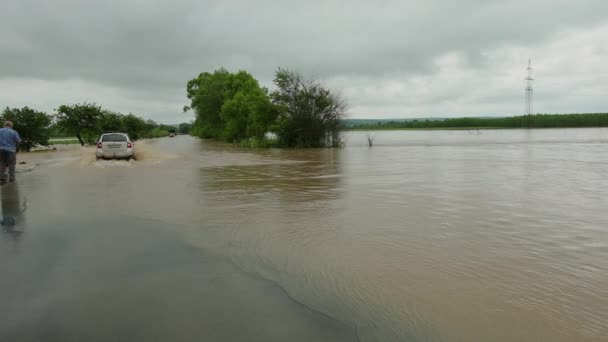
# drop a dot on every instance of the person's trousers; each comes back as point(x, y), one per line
point(7, 161)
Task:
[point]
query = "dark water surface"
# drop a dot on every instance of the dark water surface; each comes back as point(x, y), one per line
point(427, 236)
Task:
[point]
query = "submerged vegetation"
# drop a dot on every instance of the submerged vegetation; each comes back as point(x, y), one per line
point(533, 121)
point(259, 143)
point(235, 108)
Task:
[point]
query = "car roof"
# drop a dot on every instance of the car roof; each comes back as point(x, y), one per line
point(116, 133)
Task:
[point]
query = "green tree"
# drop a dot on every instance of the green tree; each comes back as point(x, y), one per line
point(33, 126)
point(112, 122)
point(248, 115)
point(309, 115)
point(235, 113)
point(82, 120)
point(207, 94)
point(135, 126)
point(184, 128)
point(262, 115)
point(229, 106)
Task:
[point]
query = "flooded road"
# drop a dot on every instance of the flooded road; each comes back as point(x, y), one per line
point(427, 236)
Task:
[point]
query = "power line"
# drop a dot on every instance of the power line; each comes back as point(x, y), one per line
point(529, 109)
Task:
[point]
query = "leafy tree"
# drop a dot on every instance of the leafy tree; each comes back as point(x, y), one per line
point(229, 106)
point(88, 121)
point(248, 115)
point(309, 115)
point(151, 124)
point(168, 128)
point(149, 129)
point(112, 122)
point(135, 126)
point(235, 113)
point(82, 120)
point(207, 94)
point(262, 117)
point(185, 128)
point(33, 126)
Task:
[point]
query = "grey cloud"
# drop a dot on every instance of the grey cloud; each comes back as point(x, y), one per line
point(154, 47)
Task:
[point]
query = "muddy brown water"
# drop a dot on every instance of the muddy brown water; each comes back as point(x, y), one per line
point(427, 236)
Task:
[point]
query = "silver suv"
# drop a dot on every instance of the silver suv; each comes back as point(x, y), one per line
point(115, 145)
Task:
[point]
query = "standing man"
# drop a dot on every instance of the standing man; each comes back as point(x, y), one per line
point(9, 141)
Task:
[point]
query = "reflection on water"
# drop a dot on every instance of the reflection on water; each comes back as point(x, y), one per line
point(286, 222)
point(317, 177)
point(12, 210)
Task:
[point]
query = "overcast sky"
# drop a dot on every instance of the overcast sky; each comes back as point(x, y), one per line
point(389, 59)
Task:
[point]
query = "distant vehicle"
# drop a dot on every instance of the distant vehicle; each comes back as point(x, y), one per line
point(171, 135)
point(115, 145)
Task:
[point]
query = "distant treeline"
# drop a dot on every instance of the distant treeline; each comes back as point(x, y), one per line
point(533, 121)
point(84, 121)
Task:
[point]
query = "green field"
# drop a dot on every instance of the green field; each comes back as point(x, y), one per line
point(63, 141)
point(468, 123)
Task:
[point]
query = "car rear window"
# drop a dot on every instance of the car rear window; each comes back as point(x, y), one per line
point(113, 137)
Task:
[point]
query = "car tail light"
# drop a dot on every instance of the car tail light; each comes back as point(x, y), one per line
point(98, 145)
point(129, 145)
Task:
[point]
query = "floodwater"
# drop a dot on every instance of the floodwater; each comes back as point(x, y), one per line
point(426, 236)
